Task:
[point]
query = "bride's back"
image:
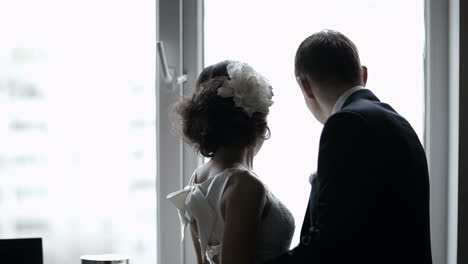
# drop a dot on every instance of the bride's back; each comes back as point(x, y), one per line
point(205, 205)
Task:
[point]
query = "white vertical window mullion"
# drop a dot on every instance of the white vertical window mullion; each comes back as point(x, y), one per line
point(437, 133)
point(192, 50)
point(169, 145)
point(452, 213)
point(179, 26)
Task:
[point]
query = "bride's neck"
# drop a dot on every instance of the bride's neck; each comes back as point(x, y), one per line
point(230, 157)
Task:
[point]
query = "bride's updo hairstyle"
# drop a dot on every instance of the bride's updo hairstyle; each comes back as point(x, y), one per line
point(210, 121)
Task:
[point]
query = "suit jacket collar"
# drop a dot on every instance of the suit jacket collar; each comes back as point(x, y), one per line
point(342, 99)
point(363, 94)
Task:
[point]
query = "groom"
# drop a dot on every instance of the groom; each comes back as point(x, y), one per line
point(369, 202)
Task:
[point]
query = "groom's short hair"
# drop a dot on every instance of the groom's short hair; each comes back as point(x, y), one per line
point(329, 58)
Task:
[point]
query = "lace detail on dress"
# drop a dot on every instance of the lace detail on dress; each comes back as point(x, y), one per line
point(202, 202)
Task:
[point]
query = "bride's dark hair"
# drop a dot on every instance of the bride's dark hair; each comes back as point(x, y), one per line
point(209, 121)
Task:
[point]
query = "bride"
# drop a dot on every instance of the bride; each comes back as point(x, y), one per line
point(233, 216)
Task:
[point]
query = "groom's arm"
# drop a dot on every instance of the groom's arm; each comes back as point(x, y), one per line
point(340, 189)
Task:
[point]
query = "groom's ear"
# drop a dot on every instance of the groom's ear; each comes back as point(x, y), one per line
point(305, 86)
point(364, 75)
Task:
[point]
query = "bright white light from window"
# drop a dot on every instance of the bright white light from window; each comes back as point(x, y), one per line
point(266, 34)
point(77, 135)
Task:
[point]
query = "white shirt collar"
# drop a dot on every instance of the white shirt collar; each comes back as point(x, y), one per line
point(342, 99)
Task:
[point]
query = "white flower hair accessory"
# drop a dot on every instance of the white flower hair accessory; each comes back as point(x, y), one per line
point(248, 88)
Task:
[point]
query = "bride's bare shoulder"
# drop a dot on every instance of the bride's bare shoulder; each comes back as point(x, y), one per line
point(244, 179)
point(243, 186)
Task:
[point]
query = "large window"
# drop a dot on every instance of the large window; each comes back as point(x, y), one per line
point(266, 34)
point(78, 145)
point(77, 127)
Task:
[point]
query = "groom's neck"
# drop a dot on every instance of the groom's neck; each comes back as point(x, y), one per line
point(329, 97)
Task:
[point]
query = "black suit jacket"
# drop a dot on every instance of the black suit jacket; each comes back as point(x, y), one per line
point(369, 203)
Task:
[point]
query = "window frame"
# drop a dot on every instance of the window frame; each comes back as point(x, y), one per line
point(442, 124)
point(179, 27)
point(460, 57)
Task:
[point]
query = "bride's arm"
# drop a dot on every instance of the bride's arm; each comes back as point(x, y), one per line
point(242, 206)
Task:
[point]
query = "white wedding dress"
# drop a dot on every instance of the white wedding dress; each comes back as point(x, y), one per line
point(202, 202)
